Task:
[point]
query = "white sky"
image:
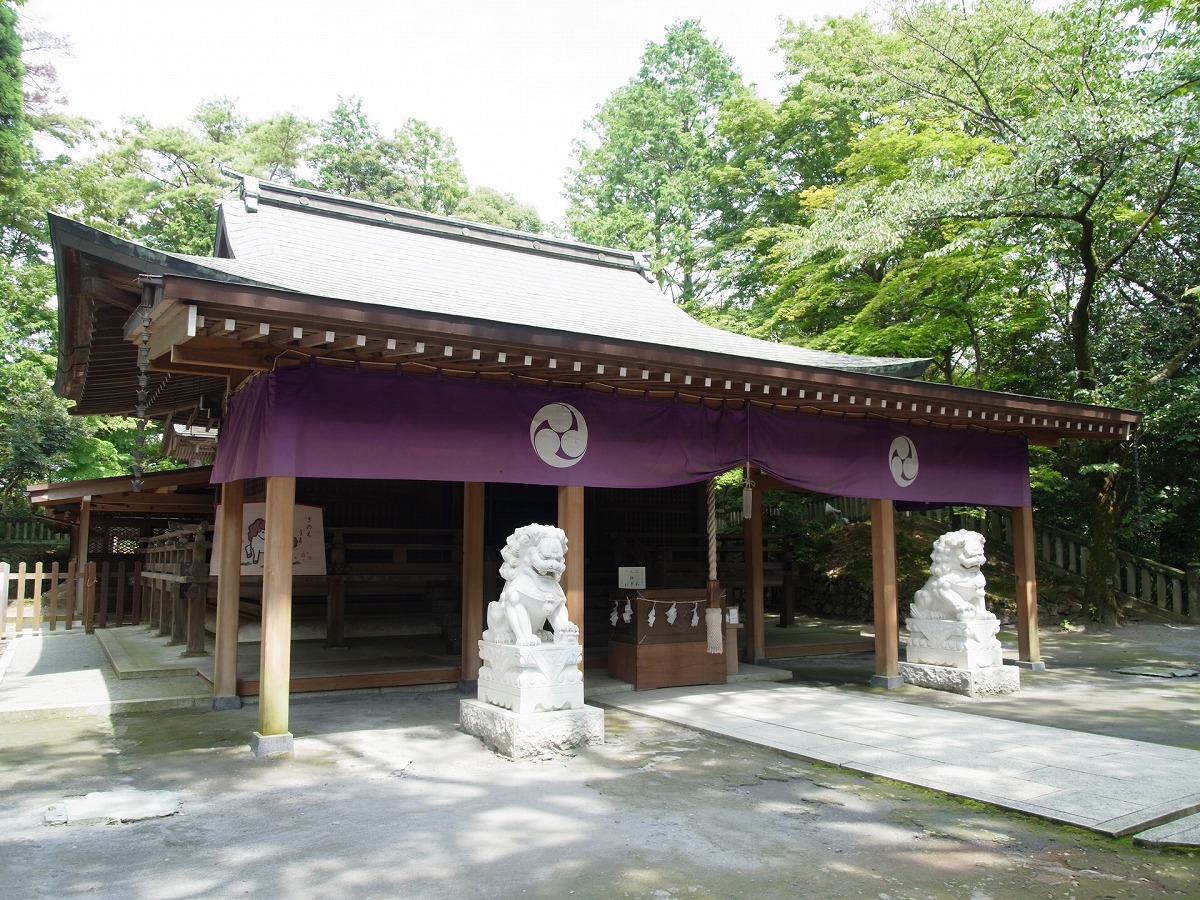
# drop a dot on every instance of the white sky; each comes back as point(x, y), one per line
point(511, 81)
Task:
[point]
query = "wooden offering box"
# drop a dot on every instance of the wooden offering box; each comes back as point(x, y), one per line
point(660, 639)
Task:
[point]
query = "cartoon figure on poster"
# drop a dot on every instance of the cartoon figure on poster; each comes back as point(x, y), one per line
point(308, 541)
point(256, 539)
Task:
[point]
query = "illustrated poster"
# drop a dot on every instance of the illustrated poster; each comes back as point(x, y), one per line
point(308, 540)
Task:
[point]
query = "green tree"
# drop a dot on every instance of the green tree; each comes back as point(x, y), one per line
point(14, 130)
point(425, 172)
point(841, 124)
point(493, 207)
point(644, 180)
point(346, 159)
point(1068, 135)
point(37, 433)
point(782, 161)
point(160, 184)
point(418, 167)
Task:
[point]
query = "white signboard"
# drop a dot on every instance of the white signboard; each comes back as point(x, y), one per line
point(308, 541)
point(631, 577)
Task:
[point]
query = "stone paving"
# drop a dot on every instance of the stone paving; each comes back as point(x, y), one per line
point(68, 674)
point(1111, 785)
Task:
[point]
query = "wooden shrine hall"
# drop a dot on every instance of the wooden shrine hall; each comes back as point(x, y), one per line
point(384, 365)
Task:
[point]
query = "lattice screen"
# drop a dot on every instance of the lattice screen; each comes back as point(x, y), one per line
point(114, 539)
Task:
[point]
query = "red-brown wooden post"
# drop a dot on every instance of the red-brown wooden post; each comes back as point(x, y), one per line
point(473, 599)
point(1025, 561)
point(229, 581)
point(135, 600)
point(752, 535)
point(72, 589)
point(83, 535)
point(119, 605)
point(105, 581)
point(196, 569)
point(273, 735)
point(887, 614)
point(570, 520)
point(89, 599)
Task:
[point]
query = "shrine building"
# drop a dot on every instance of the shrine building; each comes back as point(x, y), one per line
point(383, 395)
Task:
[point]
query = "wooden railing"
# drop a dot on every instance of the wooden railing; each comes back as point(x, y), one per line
point(372, 572)
point(175, 585)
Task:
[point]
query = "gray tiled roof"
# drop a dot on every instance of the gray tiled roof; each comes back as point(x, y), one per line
point(346, 251)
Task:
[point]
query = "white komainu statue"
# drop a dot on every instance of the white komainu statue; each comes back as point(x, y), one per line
point(532, 597)
point(954, 590)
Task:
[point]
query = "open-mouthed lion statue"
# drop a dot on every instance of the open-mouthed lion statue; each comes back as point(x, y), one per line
point(955, 586)
point(532, 597)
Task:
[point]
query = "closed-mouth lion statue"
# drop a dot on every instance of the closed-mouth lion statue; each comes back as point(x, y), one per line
point(532, 597)
point(955, 586)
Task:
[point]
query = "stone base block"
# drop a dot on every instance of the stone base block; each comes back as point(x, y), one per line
point(223, 703)
point(968, 682)
point(967, 644)
point(272, 744)
point(527, 700)
point(522, 736)
point(1033, 666)
point(526, 679)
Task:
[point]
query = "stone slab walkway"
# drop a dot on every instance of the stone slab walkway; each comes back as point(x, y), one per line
point(1110, 785)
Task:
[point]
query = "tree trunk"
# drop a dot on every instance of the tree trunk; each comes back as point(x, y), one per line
point(1100, 582)
point(1099, 588)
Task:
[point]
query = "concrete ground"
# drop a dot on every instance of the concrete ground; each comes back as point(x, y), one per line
point(386, 797)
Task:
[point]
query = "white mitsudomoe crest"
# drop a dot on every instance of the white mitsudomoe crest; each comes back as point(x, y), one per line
point(902, 460)
point(559, 435)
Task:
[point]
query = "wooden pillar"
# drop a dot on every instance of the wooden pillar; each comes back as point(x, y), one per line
point(89, 599)
point(887, 615)
point(473, 600)
point(335, 595)
point(787, 614)
point(229, 597)
point(197, 610)
point(177, 592)
point(570, 520)
point(275, 673)
point(83, 537)
point(1025, 561)
point(752, 535)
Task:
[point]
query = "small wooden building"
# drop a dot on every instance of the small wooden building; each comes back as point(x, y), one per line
point(354, 355)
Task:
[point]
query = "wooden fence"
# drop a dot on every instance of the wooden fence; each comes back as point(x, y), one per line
point(32, 531)
point(44, 597)
point(1144, 580)
point(35, 597)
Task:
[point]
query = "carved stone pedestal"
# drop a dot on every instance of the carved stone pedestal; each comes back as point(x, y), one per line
point(963, 644)
point(969, 682)
point(540, 678)
point(531, 700)
point(533, 734)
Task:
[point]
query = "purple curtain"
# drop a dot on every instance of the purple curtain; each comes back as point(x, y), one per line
point(319, 421)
